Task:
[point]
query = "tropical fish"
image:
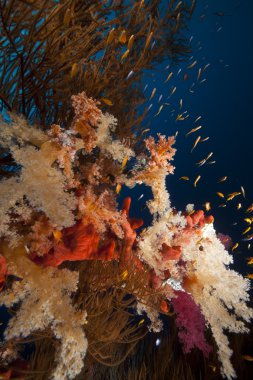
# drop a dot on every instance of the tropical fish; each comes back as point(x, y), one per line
point(247, 230)
point(222, 205)
point(199, 74)
point(124, 162)
point(249, 209)
point(205, 139)
point(107, 101)
point(192, 65)
point(196, 143)
point(207, 206)
point(130, 42)
point(193, 130)
point(110, 37)
point(239, 206)
point(206, 66)
point(118, 188)
point(160, 108)
point(145, 131)
point(248, 238)
point(250, 260)
point(173, 91)
point(152, 94)
point(74, 70)
point(57, 235)
point(197, 119)
point(130, 74)
point(181, 103)
point(243, 191)
point(196, 181)
point(250, 276)
point(148, 40)
point(235, 246)
point(222, 179)
point(248, 220)
point(140, 197)
point(169, 76)
point(221, 195)
point(185, 178)
point(124, 56)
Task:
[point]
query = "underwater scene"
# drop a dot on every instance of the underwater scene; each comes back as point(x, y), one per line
point(126, 195)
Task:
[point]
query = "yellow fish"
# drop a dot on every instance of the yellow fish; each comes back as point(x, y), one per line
point(124, 274)
point(130, 42)
point(250, 260)
point(74, 70)
point(160, 108)
point(185, 178)
point(193, 130)
point(169, 76)
point(239, 206)
point(250, 208)
point(107, 101)
point(152, 94)
point(235, 246)
point(118, 188)
point(148, 40)
point(247, 230)
point(141, 322)
point(196, 180)
point(221, 195)
point(124, 56)
point(196, 143)
point(248, 220)
point(180, 117)
point(250, 276)
point(145, 130)
point(124, 162)
point(192, 65)
point(110, 37)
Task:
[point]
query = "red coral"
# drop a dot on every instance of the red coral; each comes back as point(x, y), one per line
point(170, 253)
point(191, 323)
point(3, 271)
point(198, 219)
point(78, 243)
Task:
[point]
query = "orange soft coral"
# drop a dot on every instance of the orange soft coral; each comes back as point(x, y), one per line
point(161, 152)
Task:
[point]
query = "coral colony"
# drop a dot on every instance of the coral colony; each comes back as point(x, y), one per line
point(77, 269)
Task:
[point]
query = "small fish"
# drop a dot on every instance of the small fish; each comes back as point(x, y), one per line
point(150, 106)
point(185, 178)
point(124, 162)
point(235, 246)
point(140, 197)
point(168, 77)
point(205, 139)
point(160, 108)
point(160, 98)
point(248, 358)
point(243, 191)
point(206, 66)
point(219, 29)
point(250, 260)
point(145, 131)
point(248, 238)
point(124, 274)
point(221, 195)
point(207, 206)
point(222, 179)
point(148, 40)
point(233, 195)
point(197, 119)
point(199, 74)
point(213, 368)
point(152, 94)
point(186, 76)
point(141, 322)
point(196, 143)
point(107, 101)
point(178, 6)
point(130, 74)
point(173, 91)
point(123, 37)
point(211, 162)
point(196, 181)
point(222, 205)
point(193, 130)
point(180, 117)
point(202, 81)
point(118, 188)
point(130, 42)
point(250, 276)
point(249, 209)
point(179, 71)
point(191, 38)
point(201, 163)
point(74, 70)
point(192, 65)
point(247, 230)
point(111, 36)
point(248, 220)
point(181, 103)
point(249, 246)
point(145, 88)
point(239, 206)
point(124, 56)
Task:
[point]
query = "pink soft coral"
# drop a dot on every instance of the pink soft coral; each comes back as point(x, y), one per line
point(161, 152)
point(191, 323)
